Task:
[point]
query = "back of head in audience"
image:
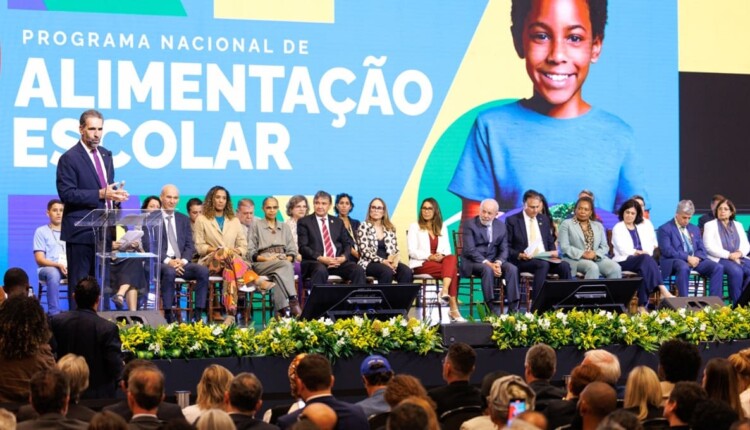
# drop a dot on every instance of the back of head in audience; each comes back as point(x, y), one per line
point(145, 389)
point(540, 362)
point(245, 392)
point(87, 293)
point(321, 415)
point(683, 399)
point(292, 373)
point(598, 400)
point(606, 362)
point(7, 419)
point(402, 386)
point(642, 390)
point(459, 362)
point(679, 361)
point(15, 281)
point(536, 419)
point(581, 376)
point(315, 373)
point(49, 391)
point(741, 363)
point(376, 370)
point(23, 328)
point(131, 366)
point(506, 390)
point(720, 382)
point(215, 419)
point(212, 386)
point(713, 414)
point(107, 421)
point(413, 413)
point(77, 371)
point(620, 419)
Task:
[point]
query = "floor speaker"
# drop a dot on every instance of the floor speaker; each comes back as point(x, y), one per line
point(150, 317)
point(691, 303)
point(474, 334)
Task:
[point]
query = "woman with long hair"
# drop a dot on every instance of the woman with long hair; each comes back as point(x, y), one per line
point(643, 393)
point(213, 384)
point(379, 254)
point(343, 207)
point(721, 383)
point(221, 244)
point(430, 253)
point(741, 363)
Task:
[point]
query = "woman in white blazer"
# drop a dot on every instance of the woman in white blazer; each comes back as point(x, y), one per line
point(430, 253)
point(634, 243)
point(726, 244)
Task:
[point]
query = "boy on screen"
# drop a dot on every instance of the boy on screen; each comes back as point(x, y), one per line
point(554, 141)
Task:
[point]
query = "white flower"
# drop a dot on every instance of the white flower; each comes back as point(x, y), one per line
point(386, 332)
point(155, 347)
point(196, 346)
point(610, 316)
point(529, 315)
point(602, 313)
point(217, 330)
point(328, 322)
point(503, 317)
point(404, 323)
point(703, 327)
point(544, 323)
point(417, 330)
point(682, 312)
point(624, 329)
point(358, 321)
point(561, 315)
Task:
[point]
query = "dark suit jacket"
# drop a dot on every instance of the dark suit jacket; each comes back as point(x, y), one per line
point(561, 412)
point(349, 416)
point(545, 393)
point(78, 187)
point(145, 423)
point(454, 395)
point(166, 411)
point(83, 332)
point(184, 235)
point(670, 244)
point(75, 411)
point(518, 236)
point(246, 422)
point(310, 241)
point(53, 421)
point(477, 247)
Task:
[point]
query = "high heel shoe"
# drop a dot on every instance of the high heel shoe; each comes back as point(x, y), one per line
point(456, 317)
point(444, 296)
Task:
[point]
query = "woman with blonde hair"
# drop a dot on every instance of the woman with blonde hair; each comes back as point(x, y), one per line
point(643, 393)
point(741, 363)
point(211, 388)
point(378, 248)
point(215, 419)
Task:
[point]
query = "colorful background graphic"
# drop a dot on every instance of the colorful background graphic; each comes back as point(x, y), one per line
point(372, 98)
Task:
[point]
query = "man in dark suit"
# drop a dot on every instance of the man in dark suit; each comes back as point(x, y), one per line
point(50, 394)
point(165, 411)
point(539, 367)
point(325, 246)
point(177, 248)
point(314, 381)
point(528, 228)
point(85, 181)
point(145, 392)
point(243, 401)
point(682, 250)
point(458, 366)
point(83, 332)
point(485, 253)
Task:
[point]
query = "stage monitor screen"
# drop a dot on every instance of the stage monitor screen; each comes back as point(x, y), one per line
point(375, 301)
point(607, 294)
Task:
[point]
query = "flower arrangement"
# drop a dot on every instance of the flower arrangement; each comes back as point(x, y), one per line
point(285, 337)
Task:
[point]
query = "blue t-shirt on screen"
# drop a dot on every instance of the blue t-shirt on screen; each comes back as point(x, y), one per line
point(511, 149)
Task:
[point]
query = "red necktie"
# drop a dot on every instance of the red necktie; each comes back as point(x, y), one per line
point(327, 239)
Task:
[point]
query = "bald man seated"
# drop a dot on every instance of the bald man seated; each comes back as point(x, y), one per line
point(598, 399)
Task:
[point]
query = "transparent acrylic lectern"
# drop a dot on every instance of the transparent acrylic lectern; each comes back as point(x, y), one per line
point(128, 247)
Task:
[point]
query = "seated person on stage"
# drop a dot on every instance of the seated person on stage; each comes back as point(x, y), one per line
point(485, 253)
point(194, 208)
point(296, 208)
point(177, 249)
point(458, 365)
point(128, 274)
point(430, 253)
point(272, 250)
point(222, 244)
point(530, 230)
point(634, 243)
point(325, 246)
point(583, 243)
point(49, 253)
point(15, 282)
point(711, 215)
point(246, 214)
point(343, 207)
point(726, 244)
point(682, 250)
point(379, 254)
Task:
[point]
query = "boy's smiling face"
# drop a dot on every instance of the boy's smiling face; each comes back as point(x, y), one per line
point(559, 47)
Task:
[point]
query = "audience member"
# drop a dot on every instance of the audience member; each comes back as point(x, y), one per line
point(403, 386)
point(272, 415)
point(620, 419)
point(741, 363)
point(314, 383)
point(564, 412)
point(682, 401)
point(458, 365)
point(504, 391)
point(243, 401)
point(720, 382)
point(484, 422)
point(430, 253)
point(322, 415)
point(539, 368)
point(107, 421)
point(7, 419)
point(534, 418)
point(24, 347)
point(485, 254)
point(678, 361)
point(643, 393)
point(145, 392)
point(343, 208)
point(165, 412)
point(376, 373)
point(713, 414)
point(413, 413)
point(325, 246)
point(15, 282)
point(214, 383)
point(726, 243)
point(49, 395)
point(682, 250)
point(606, 362)
point(49, 254)
point(710, 215)
point(101, 346)
point(598, 400)
point(215, 419)
point(378, 246)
